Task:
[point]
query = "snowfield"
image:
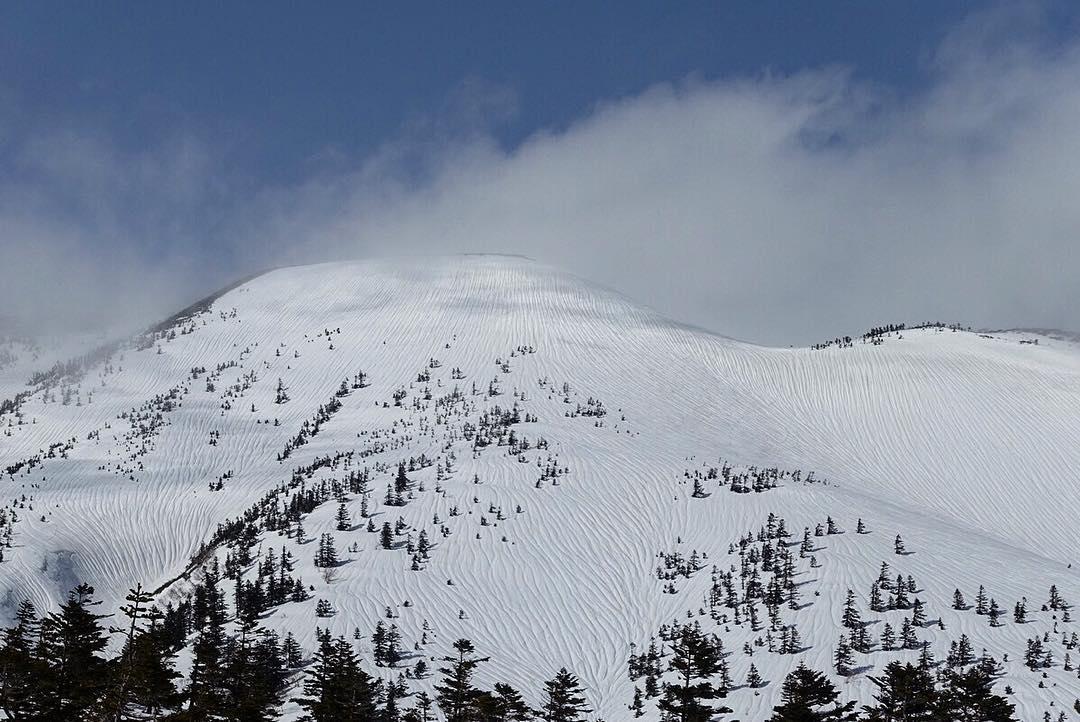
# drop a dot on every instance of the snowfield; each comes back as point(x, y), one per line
point(966, 444)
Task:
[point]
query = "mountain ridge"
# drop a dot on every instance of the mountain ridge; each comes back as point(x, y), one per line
point(160, 445)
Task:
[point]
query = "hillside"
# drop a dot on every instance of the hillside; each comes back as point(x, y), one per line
point(551, 434)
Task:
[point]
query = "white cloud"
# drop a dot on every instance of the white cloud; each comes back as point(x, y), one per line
point(777, 209)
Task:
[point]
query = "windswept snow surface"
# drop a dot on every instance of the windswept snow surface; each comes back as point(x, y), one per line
point(964, 443)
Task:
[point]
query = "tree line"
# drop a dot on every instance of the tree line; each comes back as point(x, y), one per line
point(58, 668)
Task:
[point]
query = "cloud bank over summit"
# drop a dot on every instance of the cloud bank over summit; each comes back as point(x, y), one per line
point(781, 209)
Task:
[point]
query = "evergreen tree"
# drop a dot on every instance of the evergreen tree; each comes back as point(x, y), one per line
point(875, 598)
point(390, 708)
point(151, 687)
point(964, 653)
point(843, 657)
point(509, 705)
point(421, 712)
point(1035, 655)
point(723, 673)
point(136, 608)
point(888, 638)
point(884, 579)
point(206, 694)
point(908, 640)
point(807, 696)
point(861, 641)
point(343, 522)
point(563, 698)
point(73, 642)
point(326, 556)
point(969, 696)
point(900, 601)
point(392, 653)
point(336, 688)
point(253, 676)
point(422, 545)
point(918, 613)
point(378, 644)
point(455, 693)
point(926, 659)
point(21, 670)
point(695, 658)
point(638, 705)
point(994, 612)
point(792, 643)
point(906, 693)
point(294, 655)
point(851, 618)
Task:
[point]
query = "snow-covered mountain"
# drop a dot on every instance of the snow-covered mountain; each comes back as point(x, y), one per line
point(571, 458)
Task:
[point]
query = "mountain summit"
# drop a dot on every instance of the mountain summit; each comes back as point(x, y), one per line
point(483, 447)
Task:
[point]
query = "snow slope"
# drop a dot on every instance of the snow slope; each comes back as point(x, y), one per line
point(963, 443)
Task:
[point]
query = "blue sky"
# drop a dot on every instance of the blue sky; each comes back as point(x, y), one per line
point(281, 87)
point(868, 161)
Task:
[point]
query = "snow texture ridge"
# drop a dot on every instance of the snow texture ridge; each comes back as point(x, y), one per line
point(120, 467)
